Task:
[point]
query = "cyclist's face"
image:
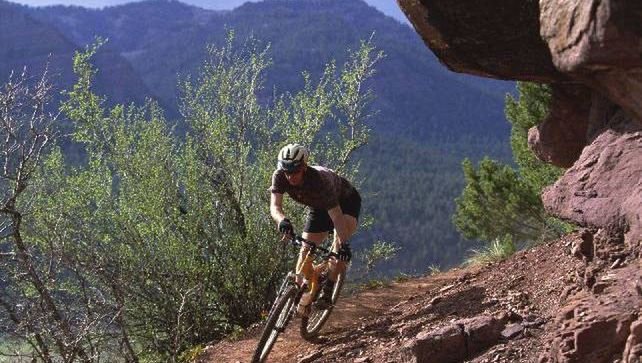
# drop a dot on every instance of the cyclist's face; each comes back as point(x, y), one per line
point(296, 178)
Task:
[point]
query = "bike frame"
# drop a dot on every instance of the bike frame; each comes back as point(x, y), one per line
point(306, 275)
point(304, 278)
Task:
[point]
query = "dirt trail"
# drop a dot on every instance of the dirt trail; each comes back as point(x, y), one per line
point(349, 314)
point(538, 299)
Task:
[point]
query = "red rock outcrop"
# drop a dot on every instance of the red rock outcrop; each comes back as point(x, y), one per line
point(633, 348)
point(590, 51)
point(595, 327)
point(455, 342)
point(598, 42)
point(560, 138)
point(497, 39)
point(604, 187)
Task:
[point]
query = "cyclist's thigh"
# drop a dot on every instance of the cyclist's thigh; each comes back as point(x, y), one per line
point(316, 237)
point(351, 225)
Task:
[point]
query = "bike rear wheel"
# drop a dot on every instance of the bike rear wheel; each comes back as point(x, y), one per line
point(275, 324)
point(312, 324)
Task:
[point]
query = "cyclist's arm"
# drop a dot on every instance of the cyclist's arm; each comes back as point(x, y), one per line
point(336, 214)
point(276, 207)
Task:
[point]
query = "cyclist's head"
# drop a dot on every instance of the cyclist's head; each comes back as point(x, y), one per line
point(292, 158)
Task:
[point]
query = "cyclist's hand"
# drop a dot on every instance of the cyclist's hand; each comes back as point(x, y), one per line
point(345, 253)
point(285, 227)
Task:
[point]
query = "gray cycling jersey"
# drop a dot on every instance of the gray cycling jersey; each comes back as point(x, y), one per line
point(322, 188)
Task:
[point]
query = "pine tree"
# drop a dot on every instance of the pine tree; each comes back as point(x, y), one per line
point(499, 200)
point(529, 111)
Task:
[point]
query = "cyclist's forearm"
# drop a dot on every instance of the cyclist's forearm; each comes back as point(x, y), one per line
point(276, 207)
point(277, 214)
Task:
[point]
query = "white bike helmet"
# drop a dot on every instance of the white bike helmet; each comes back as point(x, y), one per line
point(291, 157)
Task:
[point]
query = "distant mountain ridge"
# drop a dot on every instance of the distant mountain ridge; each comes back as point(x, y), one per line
point(424, 108)
point(162, 38)
point(28, 41)
point(388, 7)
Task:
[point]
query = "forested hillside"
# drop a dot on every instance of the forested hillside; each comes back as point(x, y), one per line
point(428, 118)
point(27, 41)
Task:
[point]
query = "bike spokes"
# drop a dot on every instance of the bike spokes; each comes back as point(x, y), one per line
point(276, 323)
point(312, 324)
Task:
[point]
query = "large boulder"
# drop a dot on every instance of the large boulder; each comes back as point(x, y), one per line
point(633, 347)
point(498, 39)
point(598, 41)
point(560, 138)
point(455, 342)
point(590, 51)
point(595, 328)
point(604, 187)
point(447, 345)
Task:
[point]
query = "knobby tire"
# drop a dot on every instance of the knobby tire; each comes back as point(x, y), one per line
point(312, 324)
point(272, 330)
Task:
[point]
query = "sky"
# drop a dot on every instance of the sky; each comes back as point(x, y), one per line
point(388, 7)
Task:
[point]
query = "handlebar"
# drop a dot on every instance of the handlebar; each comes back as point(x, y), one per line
point(299, 241)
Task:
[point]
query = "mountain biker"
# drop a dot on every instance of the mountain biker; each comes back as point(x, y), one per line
point(333, 203)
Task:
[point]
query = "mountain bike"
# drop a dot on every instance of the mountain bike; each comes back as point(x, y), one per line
point(300, 284)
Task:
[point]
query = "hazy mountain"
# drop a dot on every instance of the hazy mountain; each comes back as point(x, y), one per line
point(161, 39)
point(206, 4)
point(29, 42)
point(429, 117)
point(388, 7)
point(217, 4)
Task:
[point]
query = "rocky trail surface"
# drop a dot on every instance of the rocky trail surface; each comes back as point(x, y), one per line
point(576, 299)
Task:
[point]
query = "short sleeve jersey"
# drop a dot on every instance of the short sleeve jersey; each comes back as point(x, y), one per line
point(322, 188)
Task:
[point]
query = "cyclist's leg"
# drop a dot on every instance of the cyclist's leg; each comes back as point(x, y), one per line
point(316, 237)
point(337, 266)
point(317, 226)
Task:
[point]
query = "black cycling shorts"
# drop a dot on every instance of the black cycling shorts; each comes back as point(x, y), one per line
point(319, 220)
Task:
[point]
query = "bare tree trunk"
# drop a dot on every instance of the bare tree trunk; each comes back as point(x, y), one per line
point(44, 293)
point(42, 347)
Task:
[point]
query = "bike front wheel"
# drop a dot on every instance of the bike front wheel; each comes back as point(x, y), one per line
point(275, 324)
point(312, 324)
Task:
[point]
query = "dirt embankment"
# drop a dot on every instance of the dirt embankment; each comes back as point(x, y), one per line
point(571, 300)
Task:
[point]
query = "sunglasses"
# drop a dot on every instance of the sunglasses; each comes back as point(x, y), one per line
point(295, 171)
point(290, 167)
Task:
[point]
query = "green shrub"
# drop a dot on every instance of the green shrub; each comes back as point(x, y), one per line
point(158, 243)
point(434, 269)
point(379, 252)
point(402, 277)
point(498, 250)
point(499, 199)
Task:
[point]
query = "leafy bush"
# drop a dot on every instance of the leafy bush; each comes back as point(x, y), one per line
point(158, 243)
point(434, 269)
point(402, 277)
point(379, 252)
